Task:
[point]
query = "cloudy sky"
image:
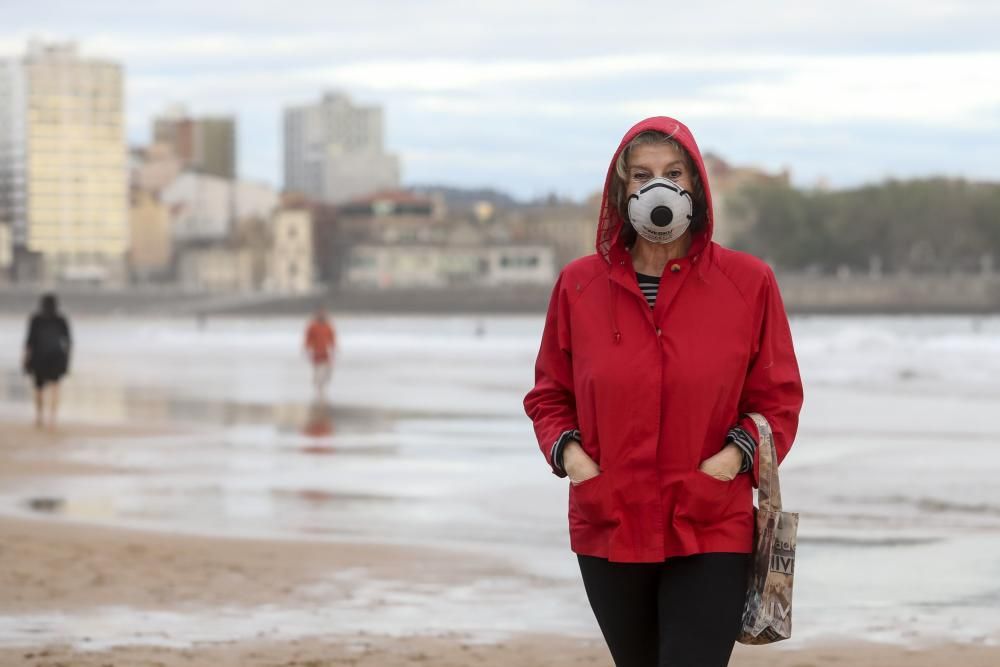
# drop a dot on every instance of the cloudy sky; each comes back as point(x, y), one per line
point(532, 97)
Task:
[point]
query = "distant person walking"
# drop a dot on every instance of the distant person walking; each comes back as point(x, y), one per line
point(46, 357)
point(319, 345)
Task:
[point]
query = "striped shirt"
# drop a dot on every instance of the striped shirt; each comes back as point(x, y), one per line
point(747, 445)
point(649, 286)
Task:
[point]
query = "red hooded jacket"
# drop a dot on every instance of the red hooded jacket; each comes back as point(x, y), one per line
point(654, 392)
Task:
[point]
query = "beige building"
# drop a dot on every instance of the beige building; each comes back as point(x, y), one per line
point(569, 228)
point(154, 167)
point(66, 176)
point(216, 267)
point(391, 216)
point(292, 252)
point(151, 250)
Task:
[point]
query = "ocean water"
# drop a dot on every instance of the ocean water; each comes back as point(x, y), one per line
point(423, 440)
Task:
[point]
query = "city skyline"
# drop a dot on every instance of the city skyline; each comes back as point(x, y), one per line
point(533, 99)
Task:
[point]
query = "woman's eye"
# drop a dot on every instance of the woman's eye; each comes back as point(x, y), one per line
point(675, 174)
point(640, 176)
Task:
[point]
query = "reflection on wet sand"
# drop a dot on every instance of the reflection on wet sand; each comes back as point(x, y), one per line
point(46, 505)
point(108, 399)
point(320, 419)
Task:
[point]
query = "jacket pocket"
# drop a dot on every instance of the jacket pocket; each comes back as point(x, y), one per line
point(703, 498)
point(590, 499)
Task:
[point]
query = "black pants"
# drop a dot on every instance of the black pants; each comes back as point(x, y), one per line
point(684, 612)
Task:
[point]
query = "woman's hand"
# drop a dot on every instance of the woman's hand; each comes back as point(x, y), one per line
point(724, 465)
point(577, 463)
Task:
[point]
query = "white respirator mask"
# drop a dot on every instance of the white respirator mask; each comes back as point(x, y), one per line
point(660, 211)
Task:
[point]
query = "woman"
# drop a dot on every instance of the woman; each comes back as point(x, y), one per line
point(653, 351)
point(46, 356)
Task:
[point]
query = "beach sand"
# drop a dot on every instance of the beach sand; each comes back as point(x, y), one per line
point(532, 651)
point(48, 565)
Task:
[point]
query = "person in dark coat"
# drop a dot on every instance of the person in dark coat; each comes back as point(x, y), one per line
point(46, 357)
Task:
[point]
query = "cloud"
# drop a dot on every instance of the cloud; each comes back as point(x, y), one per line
point(509, 79)
point(930, 90)
point(948, 88)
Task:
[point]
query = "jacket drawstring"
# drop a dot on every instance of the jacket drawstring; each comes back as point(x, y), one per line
point(699, 263)
point(616, 334)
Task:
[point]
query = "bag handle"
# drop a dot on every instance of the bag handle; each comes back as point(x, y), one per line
point(768, 488)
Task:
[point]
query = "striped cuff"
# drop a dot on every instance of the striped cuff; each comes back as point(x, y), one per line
point(555, 454)
point(747, 446)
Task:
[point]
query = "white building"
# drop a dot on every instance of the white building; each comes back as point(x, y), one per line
point(435, 265)
point(200, 207)
point(254, 200)
point(518, 265)
point(63, 169)
point(205, 207)
point(334, 150)
point(13, 152)
point(292, 252)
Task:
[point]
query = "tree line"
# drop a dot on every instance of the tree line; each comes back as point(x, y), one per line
point(931, 225)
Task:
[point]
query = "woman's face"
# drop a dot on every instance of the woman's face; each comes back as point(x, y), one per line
point(649, 161)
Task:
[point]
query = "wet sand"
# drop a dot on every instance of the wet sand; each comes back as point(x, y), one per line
point(49, 565)
point(527, 651)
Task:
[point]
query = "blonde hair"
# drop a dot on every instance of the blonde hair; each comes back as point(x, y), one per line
point(619, 185)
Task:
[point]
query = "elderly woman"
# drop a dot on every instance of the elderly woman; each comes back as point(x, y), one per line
point(654, 350)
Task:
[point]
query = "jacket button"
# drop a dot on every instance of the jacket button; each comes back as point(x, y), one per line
point(675, 267)
point(658, 332)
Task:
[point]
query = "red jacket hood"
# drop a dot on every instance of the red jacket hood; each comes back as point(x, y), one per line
point(610, 225)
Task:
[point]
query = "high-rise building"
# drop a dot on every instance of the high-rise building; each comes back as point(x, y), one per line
point(334, 150)
point(206, 145)
point(63, 174)
point(13, 139)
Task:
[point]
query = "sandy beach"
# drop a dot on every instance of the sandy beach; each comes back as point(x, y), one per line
point(529, 651)
point(199, 507)
point(48, 565)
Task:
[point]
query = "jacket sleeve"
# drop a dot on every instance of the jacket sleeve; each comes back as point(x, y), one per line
point(772, 387)
point(551, 404)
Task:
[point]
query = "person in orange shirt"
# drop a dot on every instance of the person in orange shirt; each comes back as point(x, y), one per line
point(319, 344)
